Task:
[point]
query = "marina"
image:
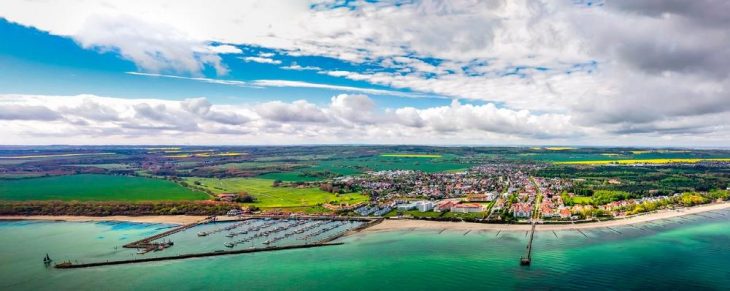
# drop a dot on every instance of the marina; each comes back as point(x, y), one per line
point(213, 237)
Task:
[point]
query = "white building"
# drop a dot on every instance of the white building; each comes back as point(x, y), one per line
point(467, 208)
point(424, 206)
point(406, 207)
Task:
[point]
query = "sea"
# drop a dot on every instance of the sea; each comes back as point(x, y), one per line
point(681, 253)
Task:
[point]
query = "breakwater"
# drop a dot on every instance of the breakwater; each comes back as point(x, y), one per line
point(69, 265)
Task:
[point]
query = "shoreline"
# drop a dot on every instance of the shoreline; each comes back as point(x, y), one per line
point(414, 224)
point(407, 224)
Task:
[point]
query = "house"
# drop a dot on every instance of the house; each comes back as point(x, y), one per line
point(522, 210)
point(467, 208)
point(548, 212)
point(564, 212)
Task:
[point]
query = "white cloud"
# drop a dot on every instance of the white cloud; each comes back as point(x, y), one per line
point(297, 67)
point(262, 60)
point(287, 83)
point(154, 47)
point(346, 117)
point(225, 49)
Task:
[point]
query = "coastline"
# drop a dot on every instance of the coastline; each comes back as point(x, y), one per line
point(409, 224)
point(412, 224)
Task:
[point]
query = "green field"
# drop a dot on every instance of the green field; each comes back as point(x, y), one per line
point(268, 196)
point(410, 156)
point(355, 166)
point(95, 187)
point(582, 200)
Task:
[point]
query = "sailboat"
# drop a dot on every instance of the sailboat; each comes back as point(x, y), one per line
point(47, 259)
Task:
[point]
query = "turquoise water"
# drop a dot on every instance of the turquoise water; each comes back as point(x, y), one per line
point(680, 253)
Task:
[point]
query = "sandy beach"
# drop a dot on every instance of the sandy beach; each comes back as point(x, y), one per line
point(410, 224)
point(170, 219)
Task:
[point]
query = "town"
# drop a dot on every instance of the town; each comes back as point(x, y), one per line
point(496, 193)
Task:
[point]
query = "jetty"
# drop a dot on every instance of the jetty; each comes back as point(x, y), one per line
point(69, 265)
point(147, 244)
point(527, 259)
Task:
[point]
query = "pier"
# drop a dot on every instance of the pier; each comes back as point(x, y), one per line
point(527, 259)
point(69, 265)
point(148, 245)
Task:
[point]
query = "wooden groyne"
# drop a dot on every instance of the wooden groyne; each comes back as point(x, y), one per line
point(527, 259)
point(69, 265)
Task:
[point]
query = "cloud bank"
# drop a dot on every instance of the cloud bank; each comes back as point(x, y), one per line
point(637, 72)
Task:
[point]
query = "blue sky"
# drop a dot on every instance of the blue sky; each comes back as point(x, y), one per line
point(415, 72)
point(39, 63)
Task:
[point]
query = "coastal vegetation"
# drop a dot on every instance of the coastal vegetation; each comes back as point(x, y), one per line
point(108, 208)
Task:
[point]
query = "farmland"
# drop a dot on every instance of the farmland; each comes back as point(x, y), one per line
point(89, 187)
point(268, 196)
point(411, 155)
point(105, 173)
point(644, 161)
point(330, 168)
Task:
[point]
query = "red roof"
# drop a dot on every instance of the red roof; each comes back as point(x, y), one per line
point(468, 205)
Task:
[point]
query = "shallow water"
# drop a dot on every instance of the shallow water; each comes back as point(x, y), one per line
point(679, 253)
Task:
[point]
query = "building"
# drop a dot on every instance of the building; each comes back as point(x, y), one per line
point(521, 210)
point(444, 205)
point(234, 212)
point(486, 197)
point(564, 212)
point(406, 206)
point(424, 206)
point(467, 208)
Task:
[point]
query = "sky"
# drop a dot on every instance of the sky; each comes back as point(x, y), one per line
point(466, 72)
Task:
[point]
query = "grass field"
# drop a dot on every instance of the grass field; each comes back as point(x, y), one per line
point(643, 161)
point(410, 156)
point(96, 188)
point(268, 196)
point(355, 166)
point(288, 176)
point(582, 200)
